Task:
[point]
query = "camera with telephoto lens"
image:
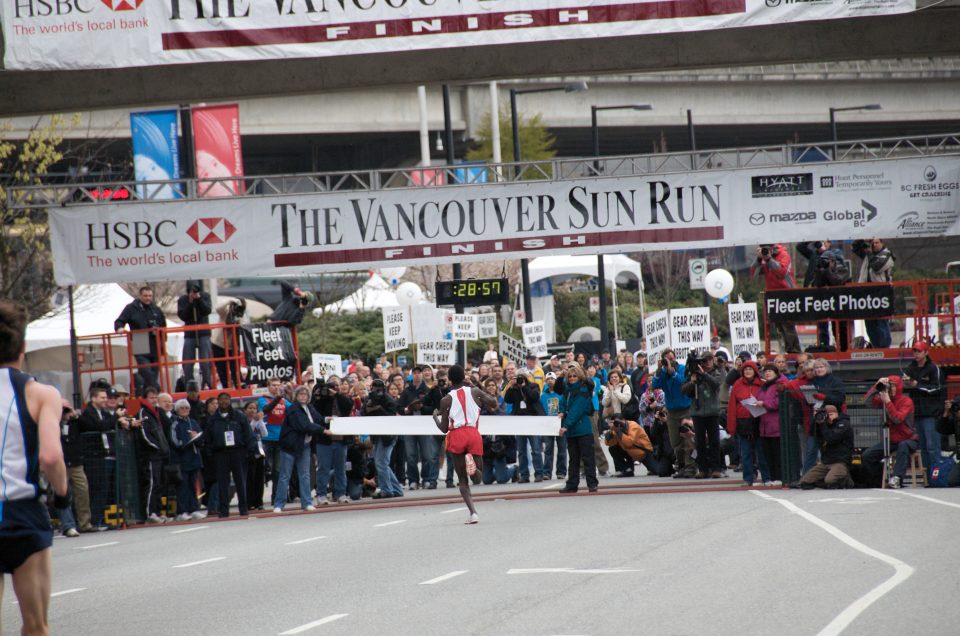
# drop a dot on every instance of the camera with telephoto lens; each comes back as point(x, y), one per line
point(824, 262)
point(521, 380)
point(821, 418)
point(881, 386)
point(685, 428)
point(693, 364)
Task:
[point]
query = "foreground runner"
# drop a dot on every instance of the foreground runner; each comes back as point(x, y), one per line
point(459, 418)
point(29, 443)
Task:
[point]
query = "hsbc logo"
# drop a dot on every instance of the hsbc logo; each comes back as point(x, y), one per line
point(211, 230)
point(122, 5)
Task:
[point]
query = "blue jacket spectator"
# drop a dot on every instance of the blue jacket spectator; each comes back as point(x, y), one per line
point(669, 378)
point(577, 406)
point(186, 451)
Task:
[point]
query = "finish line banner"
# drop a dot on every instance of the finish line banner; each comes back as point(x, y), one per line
point(83, 34)
point(339, 231)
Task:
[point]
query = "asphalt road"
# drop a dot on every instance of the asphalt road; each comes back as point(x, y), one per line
point(731, 562)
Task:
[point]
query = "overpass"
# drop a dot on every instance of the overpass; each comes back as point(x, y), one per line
point(930, 31)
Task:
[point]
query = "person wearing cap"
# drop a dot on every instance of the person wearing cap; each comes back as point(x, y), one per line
point(194, 308)
point(535, 370)
point(898, 417)
point(924, 385)
point(230, 437)
point(834, 436)
point(716, 346)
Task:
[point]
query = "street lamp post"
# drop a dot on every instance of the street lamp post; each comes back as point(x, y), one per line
point(574, 87)
point(833, 120)
point(601, 270)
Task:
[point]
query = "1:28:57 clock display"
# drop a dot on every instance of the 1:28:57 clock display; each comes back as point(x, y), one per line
point(473, 292)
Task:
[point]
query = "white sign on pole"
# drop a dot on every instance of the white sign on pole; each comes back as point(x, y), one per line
point(326, 365)
point(744, 328)
point(487, 326)
point(440, 352)
point(519, 316)
point(594, 304)
point(396, 328)
point(512, 349)
point(429, 323)
point(689, 330)
point(697, 270)
point(464, 326)
point(535, 337)
point(656, 330)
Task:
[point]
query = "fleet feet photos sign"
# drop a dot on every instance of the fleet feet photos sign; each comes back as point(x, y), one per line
point(84, 34)
point(311, 233)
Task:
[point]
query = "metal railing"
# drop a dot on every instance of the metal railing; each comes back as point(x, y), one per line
point(131, 191)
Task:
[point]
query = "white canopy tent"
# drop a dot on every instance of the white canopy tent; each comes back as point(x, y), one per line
point(95, 309)
point(616, 268)
point(376, 293)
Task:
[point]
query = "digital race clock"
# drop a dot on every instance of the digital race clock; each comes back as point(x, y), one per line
point(473, 292)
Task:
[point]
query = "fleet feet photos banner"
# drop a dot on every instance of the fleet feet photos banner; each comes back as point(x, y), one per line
point(311, 233)
point(77, 34)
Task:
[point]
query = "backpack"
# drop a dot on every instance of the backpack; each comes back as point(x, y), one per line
point(940, 470)
point(631, 410)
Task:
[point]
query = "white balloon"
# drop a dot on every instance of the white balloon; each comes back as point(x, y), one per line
point(718, 283)
point(409, 293)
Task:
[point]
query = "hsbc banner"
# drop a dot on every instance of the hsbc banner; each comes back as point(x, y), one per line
point(78, 34)
point(853, 302)
point(340, 231)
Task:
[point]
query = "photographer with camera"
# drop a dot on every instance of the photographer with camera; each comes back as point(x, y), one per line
point(73, 458)
point(424, 449)
point(379, 403)
point(827, 268)
point(670, 377)
point(949, 424)
point(628, 443)
point(194, 308)
point(293, 304)
point(877, 267)
point(924, 383)
point(222, 342)
point(331, 449)
point(703, 388)
point(773, 263)
point(523, 396)
point(888, 394)
point(834, 436)
point(615, 395)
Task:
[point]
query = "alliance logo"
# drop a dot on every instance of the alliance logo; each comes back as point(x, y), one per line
point(211, 230)
point(122, 5)
point(782, 185)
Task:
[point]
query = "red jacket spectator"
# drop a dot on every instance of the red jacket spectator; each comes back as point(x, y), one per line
point(777, 270)
point(792, 389)
point(899, 411)
point(741, 390)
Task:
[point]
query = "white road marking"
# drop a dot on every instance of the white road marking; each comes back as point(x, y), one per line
point(193, 529)
point(924, 497)
point(902, 571)
point(305, 540)
point(322, 621)
point(70, 591)
point(96, 545)
point(389, 523)
point(55, 594)
point(559, 485)
point(855, 501)
point(566, 571)
point(190, 565)
point(445, 577)
point(446, 512)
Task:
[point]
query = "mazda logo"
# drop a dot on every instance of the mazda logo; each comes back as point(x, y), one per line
point(757, 219)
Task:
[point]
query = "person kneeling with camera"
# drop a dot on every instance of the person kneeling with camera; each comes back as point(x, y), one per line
point(628, 443)
point(835, 438)
point(898, 417)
